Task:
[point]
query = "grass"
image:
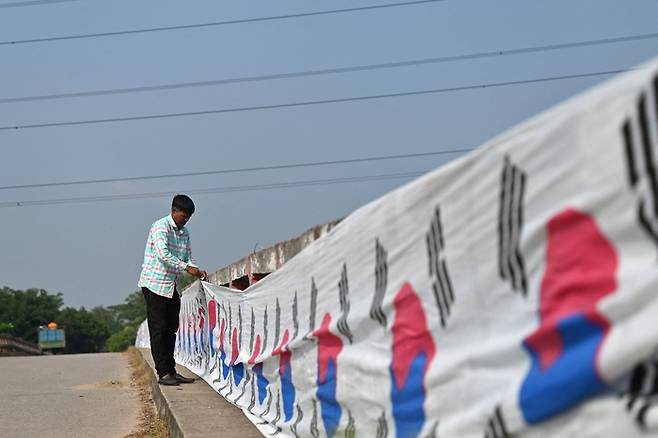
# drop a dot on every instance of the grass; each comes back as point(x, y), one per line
point(150, 425)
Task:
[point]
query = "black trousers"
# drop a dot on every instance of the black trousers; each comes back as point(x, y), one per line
point(162, 317)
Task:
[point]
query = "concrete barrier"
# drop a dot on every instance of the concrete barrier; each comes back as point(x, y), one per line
point(195, 410)
point(254, 267)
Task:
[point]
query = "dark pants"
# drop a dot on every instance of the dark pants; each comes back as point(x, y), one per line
point(162, 316)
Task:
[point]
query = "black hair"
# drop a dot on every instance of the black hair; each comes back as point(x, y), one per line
point(183, 203)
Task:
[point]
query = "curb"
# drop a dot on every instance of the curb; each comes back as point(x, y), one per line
point(196, 410)
point(164, 411)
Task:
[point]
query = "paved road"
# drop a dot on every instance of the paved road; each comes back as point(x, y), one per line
point(67, 396)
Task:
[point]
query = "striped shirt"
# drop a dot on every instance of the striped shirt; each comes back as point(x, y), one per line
point(166, 256)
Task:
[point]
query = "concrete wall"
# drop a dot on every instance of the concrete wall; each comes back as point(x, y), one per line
point(257, 265)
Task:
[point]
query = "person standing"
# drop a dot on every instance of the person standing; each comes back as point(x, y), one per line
point(167, 255)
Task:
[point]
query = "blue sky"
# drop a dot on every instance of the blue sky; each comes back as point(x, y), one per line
point(91, 252)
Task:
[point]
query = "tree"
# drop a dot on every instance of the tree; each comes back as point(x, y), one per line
point(111, 328)
point(6, 328)
point(132, 311)
point(85, 333)
point(129, 315)
point(108, 316)
point(27, 310)
point(122, 339)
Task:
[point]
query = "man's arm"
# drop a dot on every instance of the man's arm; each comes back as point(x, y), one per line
point(192, 269)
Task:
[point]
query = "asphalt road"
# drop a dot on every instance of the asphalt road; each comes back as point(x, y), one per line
point(67, 396)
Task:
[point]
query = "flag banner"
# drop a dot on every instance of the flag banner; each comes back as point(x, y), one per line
point(513, 292)
point(143, 338)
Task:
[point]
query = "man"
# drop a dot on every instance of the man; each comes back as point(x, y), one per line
point(166, 257)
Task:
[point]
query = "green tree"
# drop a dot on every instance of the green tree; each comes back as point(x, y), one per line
point(107, 316)
point(6, 328)
point(85, 333)
point(27, 310)
point(129, 315)
point(111, 328)
point(122, 339)
point(132, 311)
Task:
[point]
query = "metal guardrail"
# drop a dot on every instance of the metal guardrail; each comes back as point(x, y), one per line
point(12, 346)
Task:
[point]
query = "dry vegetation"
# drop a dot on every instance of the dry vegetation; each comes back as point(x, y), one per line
point(150, 425)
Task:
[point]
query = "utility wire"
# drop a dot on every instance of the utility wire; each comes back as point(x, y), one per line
point(237, 170)
point(318, 72)
point(310, 102)
point(227, 189)
point(217, 23)
point(33, 3)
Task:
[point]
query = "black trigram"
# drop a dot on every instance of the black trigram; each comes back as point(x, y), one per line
point(277, 324)
point(265, 331)
point(441, 285)
point(640, 160)
point(269, 403)
point(315, 433)
point(252, 401)
point(227, 384)
point(252, 328)
point(239, 326)
point(496, 426)
point(273, 423)
point(642, 395)
point(343, 293)
point(231, 378)
point(350, 429)
point(247, 377)
point(381, 278)
point(510, 223)
point(295, 425)
point(277, 417)
point(295, 320)
point(433, 433)
point(230, 325)
point(382, 426)
point(312, 311)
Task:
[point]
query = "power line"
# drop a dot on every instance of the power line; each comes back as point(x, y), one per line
point(310, 102)
point(33, 3)
point(318, 72)
point(228, 189)
point(238, 170)
point(217, 23)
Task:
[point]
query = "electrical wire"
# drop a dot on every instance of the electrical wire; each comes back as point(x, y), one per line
point(33, 3)
point(319, 72)
point(237, 170)
point(216, 23)
point(215, 190)
point(310, 102)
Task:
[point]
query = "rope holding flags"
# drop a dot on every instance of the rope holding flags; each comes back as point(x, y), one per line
point(510, 293)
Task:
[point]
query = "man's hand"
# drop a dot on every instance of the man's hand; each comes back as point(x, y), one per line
point(196, 272)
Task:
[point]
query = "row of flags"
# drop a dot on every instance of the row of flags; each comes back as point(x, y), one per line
point(512, 293)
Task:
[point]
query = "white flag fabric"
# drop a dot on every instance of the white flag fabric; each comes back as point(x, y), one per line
point(142, 340)
point(513, 292)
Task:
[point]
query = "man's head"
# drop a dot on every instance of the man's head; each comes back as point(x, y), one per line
point(182, 209)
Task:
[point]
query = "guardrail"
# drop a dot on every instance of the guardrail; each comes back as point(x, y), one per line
point(12, 346)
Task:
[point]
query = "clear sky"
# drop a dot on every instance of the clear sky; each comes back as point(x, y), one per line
point(92, 252)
